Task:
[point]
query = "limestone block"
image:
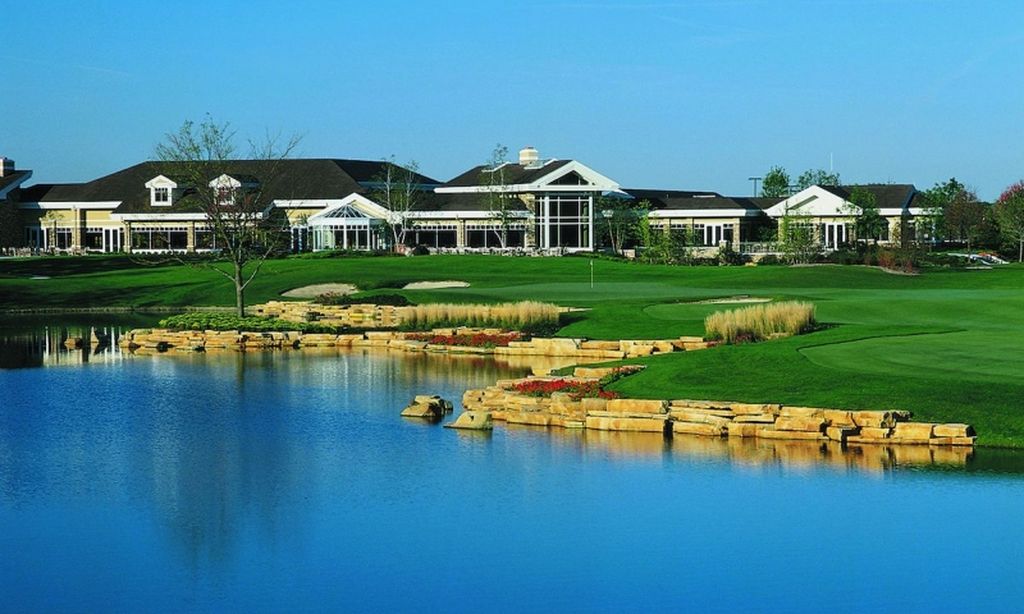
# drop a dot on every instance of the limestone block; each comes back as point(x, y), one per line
point(910, 431)
point(698, 417)
point(745, 429)
point(874, 419)
point(664, 346)
point(589, 405)
point(802, 435)
point(810, 424)
point(531, 418)
point(963, 441)
point(871, 432)
point(686, 339)
point(652, 424)
point(699, 428)
point(473, 420)
point(599, 345)
point(568, 423)
point(755, 419)
point(755, 408)
point(722, 413)
point(838, 417)
point(634, 406)
point(801, 412)
point(953, 430)
point(693, 404)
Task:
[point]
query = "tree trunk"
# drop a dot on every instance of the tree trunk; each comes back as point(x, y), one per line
point(239, 293)
point(1020, 251)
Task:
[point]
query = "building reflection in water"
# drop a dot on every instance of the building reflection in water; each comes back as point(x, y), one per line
point(59, 345)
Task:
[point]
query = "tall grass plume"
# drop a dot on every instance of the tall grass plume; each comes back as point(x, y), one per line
point(760, 322)
point(522, 316)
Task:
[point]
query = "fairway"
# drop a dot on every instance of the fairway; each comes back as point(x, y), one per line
point(948, 345)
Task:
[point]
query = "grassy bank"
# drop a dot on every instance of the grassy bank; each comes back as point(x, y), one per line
point(948, 345)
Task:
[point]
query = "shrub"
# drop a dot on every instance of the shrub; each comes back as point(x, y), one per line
point(769, 260)
point(575, 389)
point(476, 340)
point(522, 316)
point(760, 322)
point(419, 250)
point(334, 298)
point(205, 320)
point(728, 256)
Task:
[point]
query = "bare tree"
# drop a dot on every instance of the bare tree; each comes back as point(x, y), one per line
point(499, 205)
point(397, 189)
point(233, 197)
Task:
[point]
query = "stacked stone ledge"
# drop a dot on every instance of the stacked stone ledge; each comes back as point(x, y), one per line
point(708, 418)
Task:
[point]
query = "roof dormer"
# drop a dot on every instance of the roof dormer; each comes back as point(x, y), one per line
point(226, 186)
point(161, 191)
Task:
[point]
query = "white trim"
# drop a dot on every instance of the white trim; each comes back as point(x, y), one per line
point(359, 203)
point(113, 204)
point(314, 203)
point(598, 183)
point(161, 181)
point(814, 201)
point(158, 217)
point(460, 215)
point(704, 213)
point(224, 181)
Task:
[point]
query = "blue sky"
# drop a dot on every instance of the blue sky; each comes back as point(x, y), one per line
point(700, 94)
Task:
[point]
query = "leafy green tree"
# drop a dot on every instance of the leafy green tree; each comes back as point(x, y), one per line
point(816, 177)
point(937, 200)
point(869, 223)
point(964, 217)
point(775, 183)
point(1009, 215)
point(618, 220)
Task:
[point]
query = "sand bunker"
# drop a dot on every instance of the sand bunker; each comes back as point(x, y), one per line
point(734, 300)
point(434, 285)
point(317, 289)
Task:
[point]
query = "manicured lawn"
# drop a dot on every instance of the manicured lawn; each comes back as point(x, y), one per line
point(948, 345)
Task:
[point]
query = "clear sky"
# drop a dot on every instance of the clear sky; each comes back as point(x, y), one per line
point(689, 94)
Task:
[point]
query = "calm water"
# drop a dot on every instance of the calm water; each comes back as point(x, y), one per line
point(287, 481)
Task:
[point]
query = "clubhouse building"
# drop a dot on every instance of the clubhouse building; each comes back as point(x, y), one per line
point(544, 205)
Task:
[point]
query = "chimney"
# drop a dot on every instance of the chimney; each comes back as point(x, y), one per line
point(528, 156)
point(6, 166)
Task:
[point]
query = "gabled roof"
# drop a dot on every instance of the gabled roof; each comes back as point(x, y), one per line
point(515, 174)
point(891, 199)
point(295, 179)
point(11, 180)
point(887, 195)
point(692, 200)
point(461, 202)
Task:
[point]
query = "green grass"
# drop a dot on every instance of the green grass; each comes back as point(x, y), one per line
point(948, 345)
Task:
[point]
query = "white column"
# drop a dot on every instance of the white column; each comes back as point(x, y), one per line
point(590, 223)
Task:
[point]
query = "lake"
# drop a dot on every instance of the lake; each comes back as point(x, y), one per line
point(288, 481)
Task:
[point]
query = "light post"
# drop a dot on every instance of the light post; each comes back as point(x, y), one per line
point(608, 214)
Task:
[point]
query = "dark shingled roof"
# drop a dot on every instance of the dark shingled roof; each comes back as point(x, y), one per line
point(515, 174)
point(689, 200)
point(461, 202)
point(295, 179)
point(887, 195)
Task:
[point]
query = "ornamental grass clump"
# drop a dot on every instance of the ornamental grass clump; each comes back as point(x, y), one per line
point(760, 322)
point(522, 316)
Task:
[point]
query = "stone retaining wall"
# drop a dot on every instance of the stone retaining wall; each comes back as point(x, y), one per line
point(709, 418)
point(162, 340)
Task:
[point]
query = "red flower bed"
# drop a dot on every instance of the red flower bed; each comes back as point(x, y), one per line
point(476, 340)
point(576, 390)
